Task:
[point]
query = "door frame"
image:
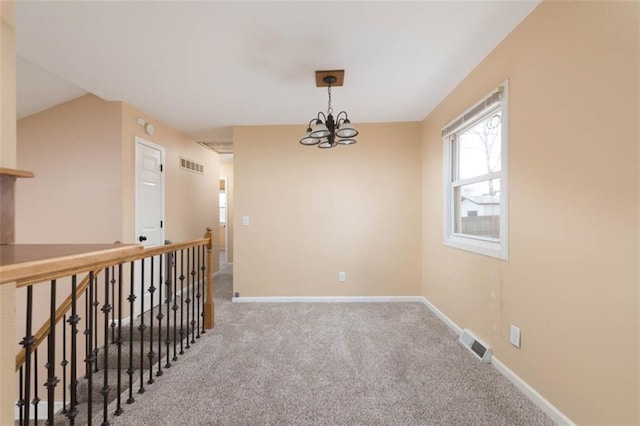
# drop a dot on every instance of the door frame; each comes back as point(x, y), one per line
point(226, 224)
point(149, 144)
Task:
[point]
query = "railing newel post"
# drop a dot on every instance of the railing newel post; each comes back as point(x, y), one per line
point(209, 309)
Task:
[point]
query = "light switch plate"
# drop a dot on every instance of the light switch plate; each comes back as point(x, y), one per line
point(515, 336)
point(245, 220)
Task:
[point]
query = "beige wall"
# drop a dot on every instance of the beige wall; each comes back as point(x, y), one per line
point(84, 149)
point(7, 86)
point(74, 151)
point(316, 212)
point(226, 171)
point(191, 199)
point(7, 159)
point(571, 282)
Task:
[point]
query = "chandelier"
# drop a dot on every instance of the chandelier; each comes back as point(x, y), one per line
point(325, 131)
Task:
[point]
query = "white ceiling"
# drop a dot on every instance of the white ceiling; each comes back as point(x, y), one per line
point(202, 67)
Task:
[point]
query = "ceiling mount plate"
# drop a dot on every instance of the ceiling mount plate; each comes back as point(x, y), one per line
point(321, 75)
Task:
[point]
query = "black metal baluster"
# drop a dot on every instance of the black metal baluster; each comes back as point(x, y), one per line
point(141, 328)
point(151, 354)
point(193, 289)
point(91, 358)
point(160, 316)
point(197, 251)
point(113, 304)
point(187, 301)
point(167, 299)
point(119, 343)
point(175, 306)
point(131, 299)
point(203, 268)
point(64, 364)
point(52, 380)
point(20, 403)
point(36, 398)
point(27, 343)
point(96, 348)
point(86, 329)
point(73, 321)
point(106, 309)
point(182, 302)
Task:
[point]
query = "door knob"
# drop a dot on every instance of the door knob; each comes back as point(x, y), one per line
point(142, 238)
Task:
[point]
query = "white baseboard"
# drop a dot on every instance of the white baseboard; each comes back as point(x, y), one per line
point(329, 299)
point(42, 410)
point(541, 402)
point(452, 325)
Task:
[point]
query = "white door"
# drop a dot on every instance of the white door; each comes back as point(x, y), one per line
point(149, 213)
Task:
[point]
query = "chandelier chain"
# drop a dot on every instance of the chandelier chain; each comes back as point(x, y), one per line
point(329, 109)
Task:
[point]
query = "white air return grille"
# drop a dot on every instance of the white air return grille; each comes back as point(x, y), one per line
point(476, 347)
point(191, 166)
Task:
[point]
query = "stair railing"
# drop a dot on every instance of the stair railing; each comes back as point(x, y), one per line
point(96, 325)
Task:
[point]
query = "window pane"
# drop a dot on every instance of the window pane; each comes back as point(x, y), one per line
point(479, 147)
point(223, 215)
point(477, 209)
point(223, 199)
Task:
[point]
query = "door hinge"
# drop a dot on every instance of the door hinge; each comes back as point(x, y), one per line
point(161, 168)
point(161, 223)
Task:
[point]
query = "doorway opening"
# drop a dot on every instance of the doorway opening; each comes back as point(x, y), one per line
point(223, 234)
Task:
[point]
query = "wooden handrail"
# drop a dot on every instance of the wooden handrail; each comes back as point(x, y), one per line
point(27, 264)
point(42, 333)
point(37, 271)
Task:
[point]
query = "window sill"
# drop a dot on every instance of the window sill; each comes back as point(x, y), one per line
point(486, 248)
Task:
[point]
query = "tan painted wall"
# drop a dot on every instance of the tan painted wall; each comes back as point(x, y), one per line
point(315, 212)
point(226, 171)
point(74, 149)
point(571, 282)
point(191, 199)
point(7, 159)
point(7, 86)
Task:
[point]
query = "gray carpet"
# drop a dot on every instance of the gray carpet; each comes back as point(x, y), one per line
point(328, 364)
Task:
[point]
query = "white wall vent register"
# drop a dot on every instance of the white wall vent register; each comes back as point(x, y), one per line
point(479, 349)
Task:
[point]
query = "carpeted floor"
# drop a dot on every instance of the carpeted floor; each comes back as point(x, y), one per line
point(329, 364)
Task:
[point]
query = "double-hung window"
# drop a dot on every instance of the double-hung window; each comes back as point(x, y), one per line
point(475, 177)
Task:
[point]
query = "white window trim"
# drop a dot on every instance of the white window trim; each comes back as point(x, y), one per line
point(498, 248)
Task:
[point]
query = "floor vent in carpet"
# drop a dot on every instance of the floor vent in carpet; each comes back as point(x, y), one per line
point(479, 349)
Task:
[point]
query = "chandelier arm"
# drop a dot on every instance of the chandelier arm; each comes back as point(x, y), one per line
point(341, 118)
point(321, 114)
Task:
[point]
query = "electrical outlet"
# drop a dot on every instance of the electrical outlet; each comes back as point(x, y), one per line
point(515, 336)
point(342, 276)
